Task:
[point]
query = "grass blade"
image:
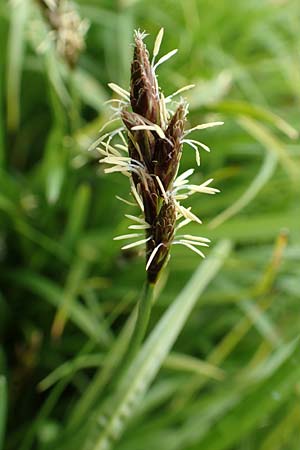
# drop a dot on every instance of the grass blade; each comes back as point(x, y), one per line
point(257, 112)
point(269, 395)
point(148, 362)
point(266, 171)
point(16, 49)
point(54, 295)
point(3, 408)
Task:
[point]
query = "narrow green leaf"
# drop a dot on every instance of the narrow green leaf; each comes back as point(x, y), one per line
point(3, 409)
point(2, 132)
point(75, 278)
point(53, 66)
point(90, 90)
point(186, 363)
point(209, 92)
point(266, 171)
point(54, 164)
point(16, 49)
point(279, 436)
point(70, 367)
point(43, 412)
point(149, 360)
point(103, 375)
point(255, 405)
point(241, 108)
point(24, 229)
point(78, 214)
point(261, 321)
point(272, 144)
point(53, 294)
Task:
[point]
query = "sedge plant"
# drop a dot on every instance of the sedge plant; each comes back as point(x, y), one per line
point(147, 148)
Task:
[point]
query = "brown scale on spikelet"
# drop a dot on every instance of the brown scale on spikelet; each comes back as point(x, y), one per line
point(168, 151)
point(162, 230)
point(144, 97)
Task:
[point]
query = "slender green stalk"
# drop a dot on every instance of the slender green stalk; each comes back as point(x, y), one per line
point(3, 408)
point(102, 377)
point(2, 148)
point(141, 324)
point(146, 365)
point(144, 312)
point(113, 370)
point(75, 104)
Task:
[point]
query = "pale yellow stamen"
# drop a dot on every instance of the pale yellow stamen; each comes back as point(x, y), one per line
point(120, 91)
point(157, 42)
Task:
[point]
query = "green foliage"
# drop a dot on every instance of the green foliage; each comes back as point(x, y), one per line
point(222, 377)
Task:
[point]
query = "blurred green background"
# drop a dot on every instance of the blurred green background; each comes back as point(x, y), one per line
point(231, 382)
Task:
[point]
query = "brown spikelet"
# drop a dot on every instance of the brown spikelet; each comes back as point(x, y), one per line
point(154, 144)
point(168, 151)
point(144, 96)
point(163, 234)
point(160, 156)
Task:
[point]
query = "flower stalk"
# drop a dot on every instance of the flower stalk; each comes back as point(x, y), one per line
point(147, 148)
point(139, 331)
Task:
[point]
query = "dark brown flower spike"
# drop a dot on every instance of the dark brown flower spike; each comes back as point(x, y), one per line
point(144, 95)
point(152, 148)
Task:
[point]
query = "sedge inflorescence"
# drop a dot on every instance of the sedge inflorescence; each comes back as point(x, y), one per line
point(148, 151)
point(67, 28)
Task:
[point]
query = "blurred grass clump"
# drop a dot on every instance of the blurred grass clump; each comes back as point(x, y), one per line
point(232, 379)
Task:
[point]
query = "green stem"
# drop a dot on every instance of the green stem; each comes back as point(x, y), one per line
point(75, 105)
point(142, 321)
point(141, 324)
point(118, 360)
